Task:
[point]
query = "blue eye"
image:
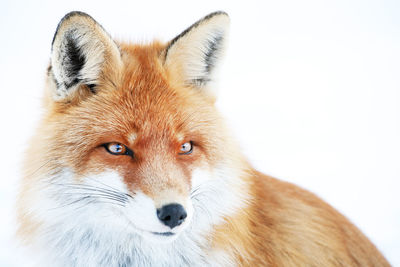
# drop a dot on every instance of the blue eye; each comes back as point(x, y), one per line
point(186, 148)
point(117, 149)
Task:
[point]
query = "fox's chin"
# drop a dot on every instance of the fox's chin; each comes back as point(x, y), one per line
point(167, 237)
point(156, 236)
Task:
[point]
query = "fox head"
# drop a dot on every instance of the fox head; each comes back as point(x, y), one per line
point(130, 136)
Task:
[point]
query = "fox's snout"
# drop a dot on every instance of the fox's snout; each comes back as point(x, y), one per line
point(172, 215)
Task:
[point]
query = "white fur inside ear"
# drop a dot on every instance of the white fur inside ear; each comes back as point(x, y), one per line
point(195, 53)
point(81, 50)
point(77, 58)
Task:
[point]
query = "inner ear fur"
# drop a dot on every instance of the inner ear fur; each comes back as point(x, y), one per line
point(82, 55)
point(194, 55)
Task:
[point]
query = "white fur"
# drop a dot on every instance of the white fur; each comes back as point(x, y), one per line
point(189, 52)
point(91, 47)
point(141, 214)
point(96, 221)
point(93, 43)
point(87, 233)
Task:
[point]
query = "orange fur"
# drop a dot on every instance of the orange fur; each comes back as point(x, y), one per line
point(280, 225)
point(288, 226)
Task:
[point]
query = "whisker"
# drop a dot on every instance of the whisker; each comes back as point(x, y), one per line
point(71, 203)
point(203, 186)
point(97, 201)
point(91, 188)
point(44, 164)
point(194, 191)
point(100, 194)
point(93, 199)
point(199, 192)
point(111, 198)
point(109, 186)
point(201, 207)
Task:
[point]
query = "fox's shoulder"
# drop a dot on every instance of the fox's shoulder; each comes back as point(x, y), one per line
point(285, 224)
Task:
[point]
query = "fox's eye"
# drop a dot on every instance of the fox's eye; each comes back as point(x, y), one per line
point(186, 148)
point(117, 149)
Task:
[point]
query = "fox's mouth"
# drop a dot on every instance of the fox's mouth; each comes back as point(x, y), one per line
point(163, 234)
point(167, 235)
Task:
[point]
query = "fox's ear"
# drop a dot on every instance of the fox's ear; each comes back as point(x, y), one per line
point(193, 56)
point(82, 54)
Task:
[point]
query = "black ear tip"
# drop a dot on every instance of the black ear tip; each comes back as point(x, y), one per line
point(75, 13)
point(67, 17)
point(216, 13)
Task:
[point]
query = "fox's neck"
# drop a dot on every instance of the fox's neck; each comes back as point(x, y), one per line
point(91, 246)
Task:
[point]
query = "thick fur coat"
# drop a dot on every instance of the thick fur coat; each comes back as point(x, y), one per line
point(130, 132)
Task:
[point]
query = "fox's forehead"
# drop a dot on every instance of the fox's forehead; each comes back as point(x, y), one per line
point(142, 63)
point(146, 101)
point(144, 82)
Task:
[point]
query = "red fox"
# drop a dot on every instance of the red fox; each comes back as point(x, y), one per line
point(132, 165)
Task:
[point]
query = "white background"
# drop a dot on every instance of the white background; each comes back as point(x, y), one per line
point(311, 90)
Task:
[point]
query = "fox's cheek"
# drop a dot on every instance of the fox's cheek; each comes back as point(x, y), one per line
point(199, 177)
point(99, 161)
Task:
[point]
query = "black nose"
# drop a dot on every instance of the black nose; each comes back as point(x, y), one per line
point(172, 215)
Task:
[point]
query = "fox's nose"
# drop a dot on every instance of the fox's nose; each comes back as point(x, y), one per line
point(172, 215)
